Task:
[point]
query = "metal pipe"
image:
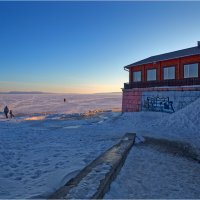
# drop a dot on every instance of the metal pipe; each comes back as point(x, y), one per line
point(126, 69)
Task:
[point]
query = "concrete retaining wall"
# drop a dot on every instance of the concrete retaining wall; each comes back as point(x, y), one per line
point(94, 180)
point(158, 99)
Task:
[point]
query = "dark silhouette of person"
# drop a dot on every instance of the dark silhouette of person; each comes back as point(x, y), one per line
point(6, 111)
point(11, 114)
point(64, 100)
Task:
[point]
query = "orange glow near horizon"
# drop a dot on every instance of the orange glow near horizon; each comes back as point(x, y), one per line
point(83, 89)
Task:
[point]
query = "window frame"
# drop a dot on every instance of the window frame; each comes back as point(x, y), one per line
point(191, 64)
point(140, 75)
point(151, 70)
point(165, 67)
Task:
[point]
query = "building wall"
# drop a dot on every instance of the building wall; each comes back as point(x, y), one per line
point(178, 63)
point(131, 101)
point(158, 99)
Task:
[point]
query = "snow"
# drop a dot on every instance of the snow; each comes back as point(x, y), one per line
point(38, 154)
point(49, 142)
point(185, 124)
point(23, 104)
point(87, 186)
point(150, 174)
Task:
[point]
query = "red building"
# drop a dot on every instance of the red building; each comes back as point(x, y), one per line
point(155, 76)
point(178, 68)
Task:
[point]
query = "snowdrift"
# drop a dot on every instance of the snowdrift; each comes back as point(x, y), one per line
point(184, 124)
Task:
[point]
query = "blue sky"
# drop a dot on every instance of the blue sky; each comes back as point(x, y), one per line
point(83, 46)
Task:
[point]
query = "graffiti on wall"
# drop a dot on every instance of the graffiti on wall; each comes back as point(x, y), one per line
point(162, 104)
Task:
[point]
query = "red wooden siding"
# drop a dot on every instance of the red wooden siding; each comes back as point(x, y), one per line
point(178, 63)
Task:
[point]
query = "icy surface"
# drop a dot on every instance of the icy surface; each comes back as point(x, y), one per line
point(88, 186)
point(23, 104)
point(37, 155)
point(150, 174)
point(44, 146)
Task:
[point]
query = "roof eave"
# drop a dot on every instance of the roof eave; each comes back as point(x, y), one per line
point(132, 65)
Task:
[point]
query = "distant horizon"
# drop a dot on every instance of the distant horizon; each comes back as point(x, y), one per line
point(41, 92)
point(82, 47)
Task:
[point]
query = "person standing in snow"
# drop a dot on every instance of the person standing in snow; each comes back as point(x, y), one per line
point(6, 111)
point(11, 114)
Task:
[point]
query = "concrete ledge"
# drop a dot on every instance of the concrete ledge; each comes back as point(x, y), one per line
point(178, 88)
point(94, 180)
point(178, 148)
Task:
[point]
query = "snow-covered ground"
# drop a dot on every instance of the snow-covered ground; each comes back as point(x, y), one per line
point(38, 156)
point(150, 174)
point(44, 145)
point(23, 104)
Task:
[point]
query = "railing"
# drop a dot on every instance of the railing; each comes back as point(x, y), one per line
point(146, 84)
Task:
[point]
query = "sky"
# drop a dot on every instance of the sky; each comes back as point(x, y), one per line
point(82, 47)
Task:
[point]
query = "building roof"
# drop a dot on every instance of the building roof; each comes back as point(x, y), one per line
point(167, 56)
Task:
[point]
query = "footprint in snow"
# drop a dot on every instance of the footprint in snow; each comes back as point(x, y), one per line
point(60, 163)
point(36, 164)
point(37, 174)
point(18, 178)
point(8, 175)
point(56, 155)
point(13, 166)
